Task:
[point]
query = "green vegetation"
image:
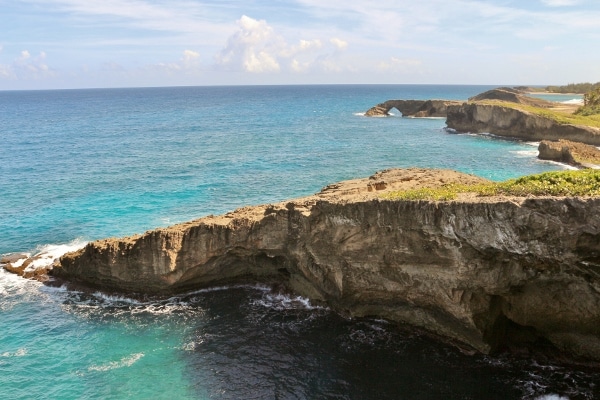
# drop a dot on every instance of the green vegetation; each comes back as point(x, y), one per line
point(574, 88)
point(559, 117)
point(560, 183)
point(591, 103)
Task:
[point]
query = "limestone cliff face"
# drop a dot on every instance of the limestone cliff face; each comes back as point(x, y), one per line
point(412, 108)
point(483, 272)
point(506, 121)
point(564, 151)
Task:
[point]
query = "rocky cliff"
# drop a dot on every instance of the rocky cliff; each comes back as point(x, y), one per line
point(485, 272)
point(511, 122)
point(577, 154)
point(412, 108)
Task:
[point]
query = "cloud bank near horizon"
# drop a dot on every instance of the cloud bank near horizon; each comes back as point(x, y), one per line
point(104, 43)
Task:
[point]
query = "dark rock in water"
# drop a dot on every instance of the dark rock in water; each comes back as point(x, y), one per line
point(486, 272)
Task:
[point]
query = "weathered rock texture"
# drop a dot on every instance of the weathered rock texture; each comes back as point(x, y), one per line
point(412, 108)
point(565, 151)
point(506, 121)
point(482, 271)
point(513, 96)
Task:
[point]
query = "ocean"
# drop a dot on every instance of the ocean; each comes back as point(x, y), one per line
point(80, 165)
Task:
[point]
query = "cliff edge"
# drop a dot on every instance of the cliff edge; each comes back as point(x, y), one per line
point(486, 272)
point(512, 122)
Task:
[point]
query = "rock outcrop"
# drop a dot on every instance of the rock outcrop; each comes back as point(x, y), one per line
point(513, 96)
point(483, 271)
point(511, 122)
point(573, 153)
point(413, 108)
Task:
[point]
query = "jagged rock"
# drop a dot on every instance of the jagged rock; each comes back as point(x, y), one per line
point(12, 258)
point(565, 151)
point(510, 122)
point(26, 269)
point(482, 271)
point(412, 108)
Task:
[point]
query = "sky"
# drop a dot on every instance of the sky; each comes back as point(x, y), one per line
point(52, 44)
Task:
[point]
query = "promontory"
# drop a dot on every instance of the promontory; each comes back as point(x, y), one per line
point(503, 112)
point(485, 272)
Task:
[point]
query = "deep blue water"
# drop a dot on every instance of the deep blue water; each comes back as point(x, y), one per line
point(79, 165)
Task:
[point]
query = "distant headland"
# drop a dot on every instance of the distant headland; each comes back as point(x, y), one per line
point(511, 112)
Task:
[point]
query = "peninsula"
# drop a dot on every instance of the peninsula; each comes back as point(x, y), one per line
point(504, 112)
point(486, 271)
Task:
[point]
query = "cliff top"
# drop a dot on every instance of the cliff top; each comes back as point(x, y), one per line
point(362, 189)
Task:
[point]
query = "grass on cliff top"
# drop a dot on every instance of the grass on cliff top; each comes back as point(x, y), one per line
point(559, 183)
point(558, 116)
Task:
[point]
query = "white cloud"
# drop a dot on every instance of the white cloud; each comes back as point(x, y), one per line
point(190, 59)
point(256, 47)
point(189, 62)
point(253, 47)
point(26, 67)
point(29, 67)
point(339, 43)
point(560, 3)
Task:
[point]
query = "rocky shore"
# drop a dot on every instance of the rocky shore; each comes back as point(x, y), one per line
point(485, 272)
point(478, 115)
point(565, 151)
point(511, 122)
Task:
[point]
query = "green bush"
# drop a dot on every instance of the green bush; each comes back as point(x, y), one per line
point(560, 183)
point(591, 103)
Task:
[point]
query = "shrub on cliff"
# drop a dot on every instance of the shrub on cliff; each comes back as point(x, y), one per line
point(557, 183)
point(591, 103)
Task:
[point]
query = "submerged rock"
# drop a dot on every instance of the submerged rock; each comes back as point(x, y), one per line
point(487, 272)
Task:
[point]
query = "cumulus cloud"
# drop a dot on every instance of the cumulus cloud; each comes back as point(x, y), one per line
point(256, 47)
point(26, 66)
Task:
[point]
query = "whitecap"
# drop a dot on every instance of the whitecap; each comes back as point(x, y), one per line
point(552, 397)
point(47, 254)
point(563, 165)
point(573, 101)
point(525, 153)
point(124, 362)
point(279, 301)
point(19, 353)
point(115, 300)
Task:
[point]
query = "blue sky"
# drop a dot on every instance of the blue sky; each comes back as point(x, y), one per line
point(117, 43)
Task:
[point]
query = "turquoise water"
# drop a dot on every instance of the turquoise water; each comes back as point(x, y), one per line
point(80, 165)
point(558, 97)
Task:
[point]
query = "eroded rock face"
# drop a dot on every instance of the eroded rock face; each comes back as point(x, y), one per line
point(485, 272)
point(565, 151)
point(413, 108)
point(512, 95)
point(506, 121)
